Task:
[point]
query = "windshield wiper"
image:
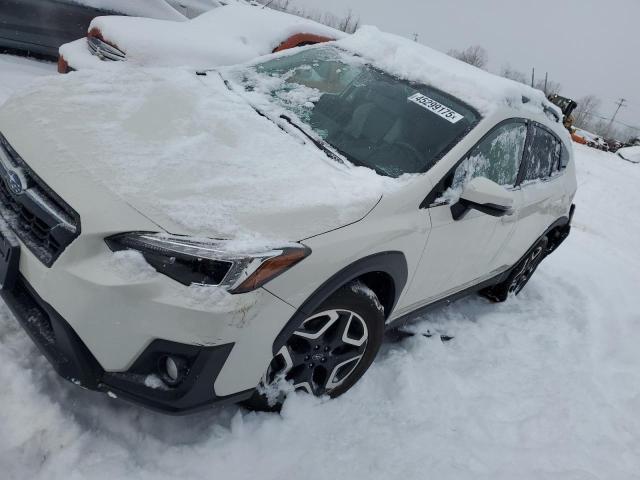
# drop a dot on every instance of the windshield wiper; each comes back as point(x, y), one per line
point(318, 143)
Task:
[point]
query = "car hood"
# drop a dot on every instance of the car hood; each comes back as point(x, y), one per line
point(190, 155)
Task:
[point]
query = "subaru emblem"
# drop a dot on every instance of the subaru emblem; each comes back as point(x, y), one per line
point(15, 182)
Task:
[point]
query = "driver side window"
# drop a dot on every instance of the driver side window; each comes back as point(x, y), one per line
point(497, 157)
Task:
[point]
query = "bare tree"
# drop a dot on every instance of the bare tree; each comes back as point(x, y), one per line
point(474, 55)
point(508, 72)
point(587, 107)
point(548, 88)
point(349, 23)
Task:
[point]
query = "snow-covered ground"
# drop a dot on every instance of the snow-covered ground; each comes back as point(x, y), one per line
point(545, 386)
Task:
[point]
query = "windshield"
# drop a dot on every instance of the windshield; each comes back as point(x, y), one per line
point(370, 117)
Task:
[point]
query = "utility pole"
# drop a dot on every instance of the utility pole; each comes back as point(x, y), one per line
point(546, 78)
point(620, 103)
point(533, 76)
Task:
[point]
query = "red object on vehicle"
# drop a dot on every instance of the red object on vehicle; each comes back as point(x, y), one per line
point(578, 139)
point(63, 66)
point(300, 40)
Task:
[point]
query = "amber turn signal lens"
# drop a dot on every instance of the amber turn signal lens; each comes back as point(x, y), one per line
point(272, 268)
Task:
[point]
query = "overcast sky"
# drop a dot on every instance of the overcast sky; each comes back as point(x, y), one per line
point(589, 46)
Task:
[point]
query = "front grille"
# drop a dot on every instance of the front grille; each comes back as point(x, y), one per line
point(37, 215)
point(103, 50)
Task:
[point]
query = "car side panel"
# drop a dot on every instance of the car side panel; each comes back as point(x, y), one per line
point(396, 224)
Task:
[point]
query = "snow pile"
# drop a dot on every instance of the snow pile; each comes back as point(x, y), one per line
point(131, 266)
point(416, 62)
point(16, 72)
point(631, 154)
point(545, 386)
point(232, 34)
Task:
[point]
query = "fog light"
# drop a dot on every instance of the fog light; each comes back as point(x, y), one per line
point(172, 370)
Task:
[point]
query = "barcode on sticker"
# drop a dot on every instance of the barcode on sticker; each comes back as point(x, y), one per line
point(436, 107)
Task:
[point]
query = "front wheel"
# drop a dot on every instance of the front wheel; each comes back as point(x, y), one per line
point(329, 351)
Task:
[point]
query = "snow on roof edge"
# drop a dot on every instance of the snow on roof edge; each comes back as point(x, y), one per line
point(416, 62)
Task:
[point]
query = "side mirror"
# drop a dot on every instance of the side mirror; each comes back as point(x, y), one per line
point(485, 196)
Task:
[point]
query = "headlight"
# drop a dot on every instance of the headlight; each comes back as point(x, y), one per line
point(196, 262)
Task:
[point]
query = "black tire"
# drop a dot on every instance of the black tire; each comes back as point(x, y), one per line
point(314, 364)
point(520, 274)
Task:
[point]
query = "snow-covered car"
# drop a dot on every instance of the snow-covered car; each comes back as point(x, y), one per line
point(42, 26)
point(184, 239)
point(224, 36)
point(630, 154)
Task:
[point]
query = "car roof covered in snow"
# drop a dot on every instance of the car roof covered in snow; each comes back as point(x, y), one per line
point(415, 62)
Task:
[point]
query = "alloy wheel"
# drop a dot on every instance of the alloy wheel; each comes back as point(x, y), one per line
point(322, 353)
point(526, 270)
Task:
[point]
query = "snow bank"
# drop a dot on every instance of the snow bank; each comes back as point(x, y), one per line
point(416, 62)
point(224, 36)
point(631, 154)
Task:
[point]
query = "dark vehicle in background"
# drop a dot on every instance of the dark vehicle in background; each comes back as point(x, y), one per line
point(39, 27)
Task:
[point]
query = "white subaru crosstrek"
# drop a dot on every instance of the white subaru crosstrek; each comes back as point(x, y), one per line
point(184, 239)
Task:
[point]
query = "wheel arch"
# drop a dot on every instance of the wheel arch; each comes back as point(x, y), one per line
point(385, 273)
point(558, 231)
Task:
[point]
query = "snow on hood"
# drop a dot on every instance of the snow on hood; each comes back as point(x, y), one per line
point(223, 36)
point(189, 154)
point(415, 62)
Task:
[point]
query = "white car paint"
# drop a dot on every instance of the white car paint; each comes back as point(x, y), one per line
point(117, 317)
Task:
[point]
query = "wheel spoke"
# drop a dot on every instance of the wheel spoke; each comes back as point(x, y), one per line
point(341, 371)
point(303, 386)
point(332, 316)
point(270, 375)
point(355, 331)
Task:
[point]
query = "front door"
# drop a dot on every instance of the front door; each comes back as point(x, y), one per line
point(460, 253)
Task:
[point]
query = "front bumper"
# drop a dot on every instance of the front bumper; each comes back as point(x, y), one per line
point(103, 319)
point(72, 360)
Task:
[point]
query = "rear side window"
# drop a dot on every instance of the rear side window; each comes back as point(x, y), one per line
point(497, 156)
point(543, 155)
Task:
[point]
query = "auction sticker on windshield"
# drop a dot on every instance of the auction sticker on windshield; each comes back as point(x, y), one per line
point(436, 107)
